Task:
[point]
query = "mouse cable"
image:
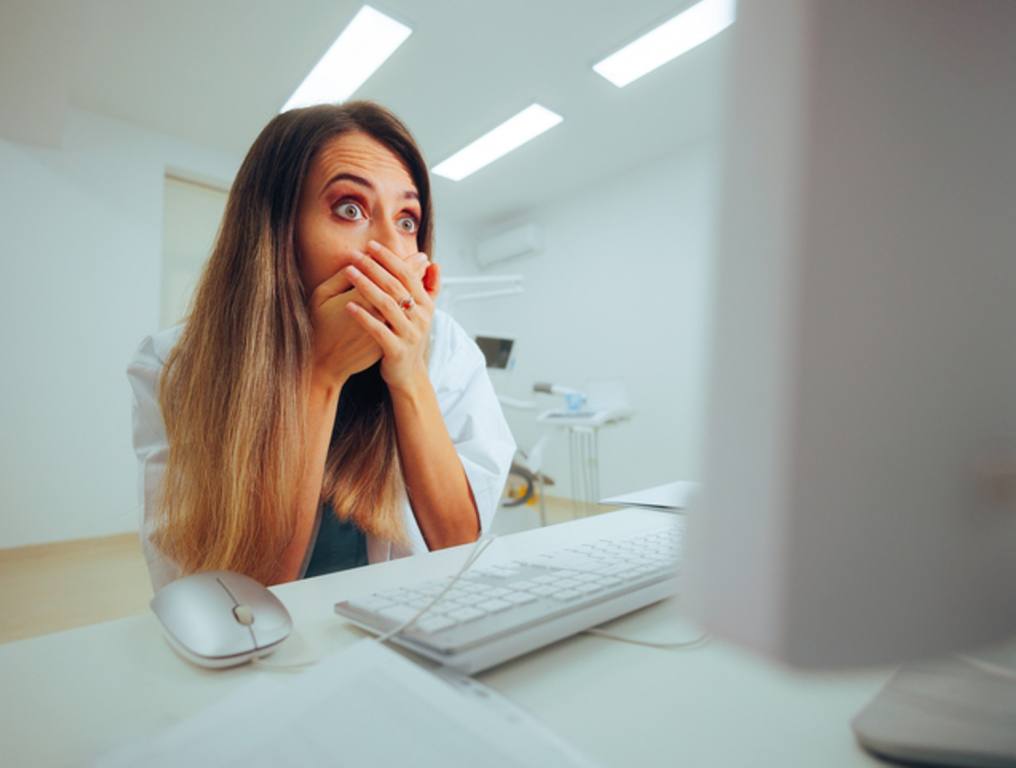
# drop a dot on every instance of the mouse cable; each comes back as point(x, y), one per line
point(289, 666)
point(478, 549)
point(989, 668)
point(298, 666)
point(295, 666)
point(694, 643)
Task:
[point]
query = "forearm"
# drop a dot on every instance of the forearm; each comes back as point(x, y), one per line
point(322, 402)
point(436, 481)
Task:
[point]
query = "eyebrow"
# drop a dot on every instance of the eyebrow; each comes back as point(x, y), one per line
point(409, 194)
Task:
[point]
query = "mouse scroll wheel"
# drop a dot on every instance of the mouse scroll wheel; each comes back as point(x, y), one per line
point(244, 614)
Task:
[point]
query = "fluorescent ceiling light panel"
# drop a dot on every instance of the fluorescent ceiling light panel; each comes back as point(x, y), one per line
point(364, 45)
point(511, 134)
point(668, 41)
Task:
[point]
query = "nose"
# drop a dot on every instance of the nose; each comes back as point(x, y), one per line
point(385, 232)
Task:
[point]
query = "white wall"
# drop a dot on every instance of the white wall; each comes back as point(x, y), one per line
point(79, 288)
point(452, 246)
point(621, 290)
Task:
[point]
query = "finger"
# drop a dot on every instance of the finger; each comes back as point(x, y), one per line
point(415, 265)
point(376, 329)
point(358, 297)
point(403, 269)
point(420, 263)
point(389, 308)
point(432, 280)
point(330, 288)
point(383, 278)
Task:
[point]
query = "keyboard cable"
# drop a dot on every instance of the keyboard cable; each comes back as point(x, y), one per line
point(478, 549)
point(474, 554)
point(669, 646)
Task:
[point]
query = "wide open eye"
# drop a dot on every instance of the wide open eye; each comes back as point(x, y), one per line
point(349, 210)
point(408, 224)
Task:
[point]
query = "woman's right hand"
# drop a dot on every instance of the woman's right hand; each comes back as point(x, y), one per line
point(341, 347)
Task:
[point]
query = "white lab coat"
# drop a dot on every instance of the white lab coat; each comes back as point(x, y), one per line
point(465, 395)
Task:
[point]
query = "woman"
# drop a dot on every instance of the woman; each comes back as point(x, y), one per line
point(316, 412)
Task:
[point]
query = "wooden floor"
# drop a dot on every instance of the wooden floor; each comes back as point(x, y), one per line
point(52, 587)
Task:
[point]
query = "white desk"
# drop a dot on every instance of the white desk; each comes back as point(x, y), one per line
point(71, 696)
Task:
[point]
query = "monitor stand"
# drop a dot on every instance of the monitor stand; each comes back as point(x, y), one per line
point(957, 712)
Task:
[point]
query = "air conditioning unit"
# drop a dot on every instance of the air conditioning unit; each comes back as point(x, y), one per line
point(522, 240)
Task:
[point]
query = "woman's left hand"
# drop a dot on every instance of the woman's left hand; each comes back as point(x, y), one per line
point(401, 293)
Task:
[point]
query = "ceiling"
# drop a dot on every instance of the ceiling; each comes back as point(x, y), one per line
point(215, 72)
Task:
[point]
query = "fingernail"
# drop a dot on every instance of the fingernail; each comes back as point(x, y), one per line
point(421, 258)
point(373, 244)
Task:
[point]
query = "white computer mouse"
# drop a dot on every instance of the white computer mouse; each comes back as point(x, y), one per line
point(221, 619)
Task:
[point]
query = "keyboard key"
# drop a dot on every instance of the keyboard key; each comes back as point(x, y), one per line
point(370, 604)
point(458, 602)
point(524, 584)
point(397, 595)
point(520, 598)
point(610, 570)
point(436, 623)
point(544, 590)
point(494, 606)
point(576, 563)
point(499, 571)
point(566, 594)
point(465, 614)
point(506, 570)
point(430, 589)
point(648, 568)
point(399, 613)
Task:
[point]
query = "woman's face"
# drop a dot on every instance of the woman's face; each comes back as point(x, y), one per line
point(357, 190)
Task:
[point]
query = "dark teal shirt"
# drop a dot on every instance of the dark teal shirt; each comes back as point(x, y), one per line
point(338, 545)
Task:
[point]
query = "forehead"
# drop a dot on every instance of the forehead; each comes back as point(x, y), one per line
point(364, 156)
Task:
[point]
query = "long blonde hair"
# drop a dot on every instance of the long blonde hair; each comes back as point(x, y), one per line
point(232, 391)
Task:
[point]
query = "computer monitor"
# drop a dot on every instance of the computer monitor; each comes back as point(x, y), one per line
point(497, 351)
point(857, 504)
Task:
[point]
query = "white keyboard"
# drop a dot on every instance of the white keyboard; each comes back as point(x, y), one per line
point(501, 610)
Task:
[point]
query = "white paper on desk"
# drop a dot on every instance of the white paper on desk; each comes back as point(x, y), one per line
point(366, 705)
point(667, 496)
